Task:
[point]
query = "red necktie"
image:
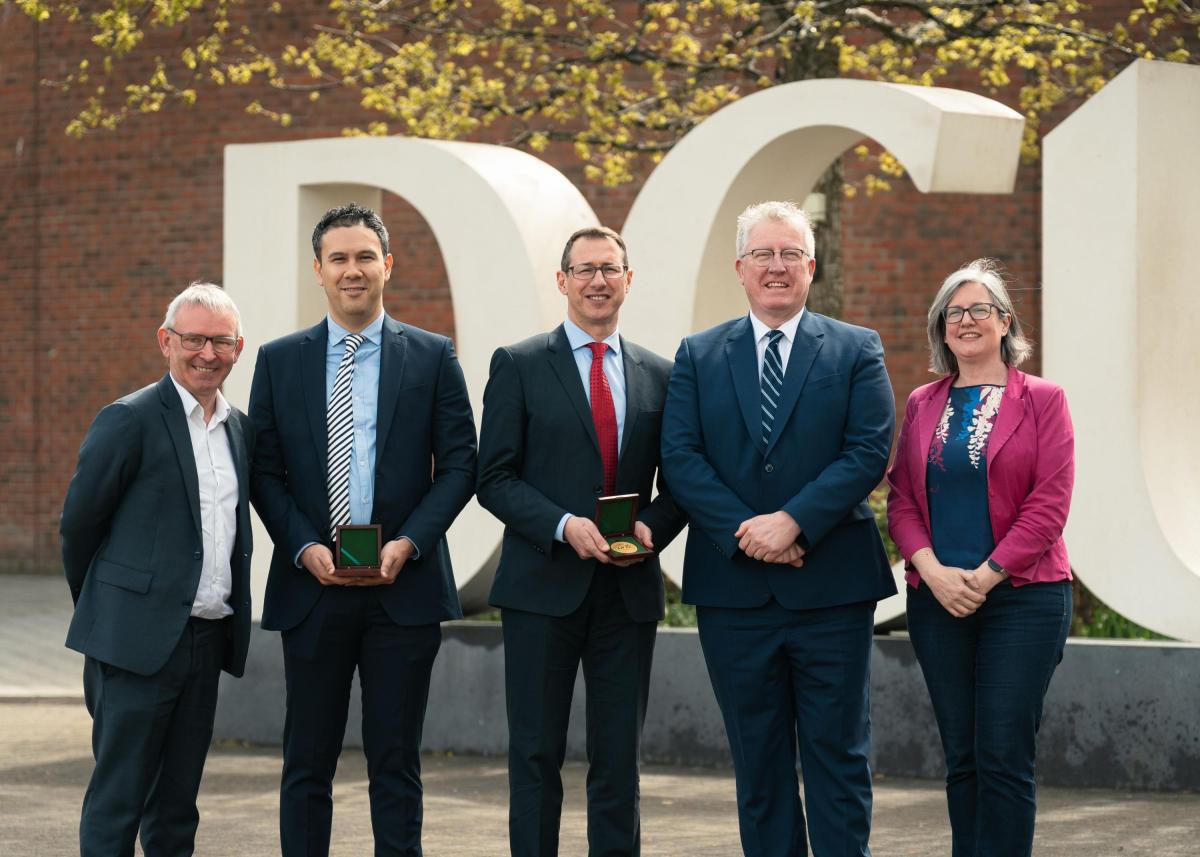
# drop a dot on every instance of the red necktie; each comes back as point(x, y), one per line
point(604, 417)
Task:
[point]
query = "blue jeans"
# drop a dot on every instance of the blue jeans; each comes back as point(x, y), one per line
point(987, 676)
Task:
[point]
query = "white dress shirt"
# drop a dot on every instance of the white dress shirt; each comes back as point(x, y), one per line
point(785, 344)
point(218, 480)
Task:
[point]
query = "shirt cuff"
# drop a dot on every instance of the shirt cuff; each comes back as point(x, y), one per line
point(562, 528)
point(303, 548)
point(416, 554)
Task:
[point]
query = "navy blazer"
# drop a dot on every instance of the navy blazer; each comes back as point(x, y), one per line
point(132, 547)
point(539, 459)
point(827, 451)
point(424, 466)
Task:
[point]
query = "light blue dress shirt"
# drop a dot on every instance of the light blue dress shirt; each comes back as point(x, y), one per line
point(614, 371)
point(365, 399)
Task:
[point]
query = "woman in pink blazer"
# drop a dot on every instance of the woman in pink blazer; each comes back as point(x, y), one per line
point(980, 489)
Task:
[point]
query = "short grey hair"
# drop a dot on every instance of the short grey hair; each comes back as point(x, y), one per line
point(1014, 347)
point(774, 210)
point(208, 295)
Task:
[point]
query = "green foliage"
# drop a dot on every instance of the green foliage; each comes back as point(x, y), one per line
point(618, 81)
point(1093, 618)
point(679, 615)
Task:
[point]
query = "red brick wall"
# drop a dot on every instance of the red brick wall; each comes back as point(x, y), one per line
point(99, 234)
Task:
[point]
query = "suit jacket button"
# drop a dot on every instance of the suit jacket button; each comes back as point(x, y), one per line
point(197, 555)
point(597, 489)
point(770, 468)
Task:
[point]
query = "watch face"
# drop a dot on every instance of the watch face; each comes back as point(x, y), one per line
point(624, 547)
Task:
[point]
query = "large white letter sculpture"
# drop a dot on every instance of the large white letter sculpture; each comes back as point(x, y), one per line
point(1121, 214)
point(495, 210)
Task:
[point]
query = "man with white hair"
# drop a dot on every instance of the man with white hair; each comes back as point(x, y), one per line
point(156, 548)
point(777, 425)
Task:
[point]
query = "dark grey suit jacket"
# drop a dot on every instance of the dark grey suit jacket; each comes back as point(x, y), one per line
point(131, 540)
point(539, 459)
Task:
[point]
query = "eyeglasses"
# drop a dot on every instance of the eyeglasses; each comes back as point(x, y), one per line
point(587, 272)
point(790, 257)
point(196, 342)
point(954, 314)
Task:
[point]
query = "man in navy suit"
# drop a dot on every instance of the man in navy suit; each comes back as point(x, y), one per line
point(156, 548)
point(568, 416)
point(408, 453)
point(777, 425)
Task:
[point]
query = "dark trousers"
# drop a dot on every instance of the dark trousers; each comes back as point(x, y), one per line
point(150, 736)
point(348, 629)
point(987, 675)
point(541, 658)
point(783, 677)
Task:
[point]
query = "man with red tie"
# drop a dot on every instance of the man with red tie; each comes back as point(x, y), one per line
point(569, 416)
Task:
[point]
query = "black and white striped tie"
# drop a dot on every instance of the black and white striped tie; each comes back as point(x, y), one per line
point(339, 427)
point(772, 384)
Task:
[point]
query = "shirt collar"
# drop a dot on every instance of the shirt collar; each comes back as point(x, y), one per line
point(373, 332)
point(788, 327)
point(190, 403)
point(578, 337)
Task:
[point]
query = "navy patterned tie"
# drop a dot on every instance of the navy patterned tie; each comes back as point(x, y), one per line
point(339, 429)
point(772, 384)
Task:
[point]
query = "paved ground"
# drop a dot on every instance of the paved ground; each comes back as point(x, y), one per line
point(45, 763)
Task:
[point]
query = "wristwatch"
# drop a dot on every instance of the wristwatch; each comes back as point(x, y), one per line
point(995, 566)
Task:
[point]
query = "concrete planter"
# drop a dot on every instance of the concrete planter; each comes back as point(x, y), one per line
point(1118, 715)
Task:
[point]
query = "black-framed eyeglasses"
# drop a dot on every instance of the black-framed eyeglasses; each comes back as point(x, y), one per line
point(587, 272)
point(197, 341)
point(790, 257)
point(954, 314)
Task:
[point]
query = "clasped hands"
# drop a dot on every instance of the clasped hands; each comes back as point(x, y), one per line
point(961, 591)
point(771, 538)
point(584, 537)
point(318, 561)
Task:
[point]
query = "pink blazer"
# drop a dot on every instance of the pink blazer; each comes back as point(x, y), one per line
point(1030, 473)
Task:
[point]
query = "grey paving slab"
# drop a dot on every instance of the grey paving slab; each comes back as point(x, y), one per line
point(45, 762)
point(35, 611)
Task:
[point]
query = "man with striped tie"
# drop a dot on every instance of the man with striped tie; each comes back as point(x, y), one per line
point(776, 427)
point(569, 416)
point(363, 420)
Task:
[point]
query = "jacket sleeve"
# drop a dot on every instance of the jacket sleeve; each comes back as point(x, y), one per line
point(1042, 515)
point(502, 448)
point(710, 504)
point(906, 524)
point(108, 462)
point(454, 457)
point(290, 529)
point(823, 502)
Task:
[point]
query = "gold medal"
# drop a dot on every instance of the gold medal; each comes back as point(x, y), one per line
point(624, 547)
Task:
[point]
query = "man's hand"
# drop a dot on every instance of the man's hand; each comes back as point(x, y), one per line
point(764, 537)
point(318, 561)
point(792, 556)
point(392, 558)
point(643, 534)
point(582, 535)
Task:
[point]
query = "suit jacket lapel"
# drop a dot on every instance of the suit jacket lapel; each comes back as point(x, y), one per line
point(635, 383)
point(743, 366)
point(1012, 411)
point(929, 414)
point(394, 348)
point(809, 339)
point(312, 383)
point(237, 446)
point(181, 438)
point(562, 360)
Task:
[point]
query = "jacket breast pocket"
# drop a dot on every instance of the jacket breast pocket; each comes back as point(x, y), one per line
point(823, 382)
point(122, 576)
